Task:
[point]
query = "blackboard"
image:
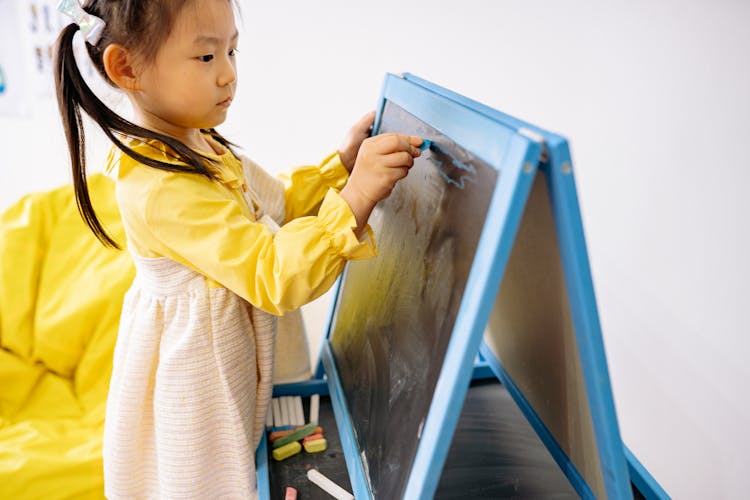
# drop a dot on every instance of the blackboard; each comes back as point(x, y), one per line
point(396, 313)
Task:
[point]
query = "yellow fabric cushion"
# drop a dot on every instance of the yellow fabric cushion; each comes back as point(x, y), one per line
point(51, 459)
point(80, 280)
point(61, 293)
point(24, 233)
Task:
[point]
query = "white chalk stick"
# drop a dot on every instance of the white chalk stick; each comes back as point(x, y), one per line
point(328, 486)
point(290, 410)
point(285, 420)
point(299, 413)
point(276, 412)
point(314, 408)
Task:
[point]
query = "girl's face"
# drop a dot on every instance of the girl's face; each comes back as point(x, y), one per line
point(193, 78)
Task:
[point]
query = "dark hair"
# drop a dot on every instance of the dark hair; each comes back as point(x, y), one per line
point(141, 26)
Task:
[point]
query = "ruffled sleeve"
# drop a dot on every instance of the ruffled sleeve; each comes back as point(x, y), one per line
point(191, 219)
point(305, 187)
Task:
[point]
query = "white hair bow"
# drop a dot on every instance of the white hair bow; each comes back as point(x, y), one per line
point(91, 26)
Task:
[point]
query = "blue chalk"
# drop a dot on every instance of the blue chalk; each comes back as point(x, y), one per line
point(281, 428)
point(426, 143)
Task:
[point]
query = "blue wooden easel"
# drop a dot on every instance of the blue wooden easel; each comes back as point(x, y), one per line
point(530, 165)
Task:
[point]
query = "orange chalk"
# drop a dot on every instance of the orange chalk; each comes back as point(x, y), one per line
point(277, 434)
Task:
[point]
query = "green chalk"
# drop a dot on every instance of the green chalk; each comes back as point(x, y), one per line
point(300, 433)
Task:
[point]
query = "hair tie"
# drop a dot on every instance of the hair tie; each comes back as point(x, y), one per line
point(91, 26)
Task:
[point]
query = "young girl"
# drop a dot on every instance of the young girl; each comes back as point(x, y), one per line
point(192, 369)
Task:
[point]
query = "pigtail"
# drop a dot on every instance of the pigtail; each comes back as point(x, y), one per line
point(68, 82)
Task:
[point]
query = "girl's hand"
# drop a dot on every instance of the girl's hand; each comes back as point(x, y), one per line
point(353, 140)
point(382, 161)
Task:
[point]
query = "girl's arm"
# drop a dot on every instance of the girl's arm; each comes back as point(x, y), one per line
point(189, 219)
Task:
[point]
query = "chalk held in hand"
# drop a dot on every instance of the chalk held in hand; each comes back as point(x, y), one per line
point(426, 144)
point(328, 486)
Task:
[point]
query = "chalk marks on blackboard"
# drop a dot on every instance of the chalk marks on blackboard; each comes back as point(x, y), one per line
point(453, 171)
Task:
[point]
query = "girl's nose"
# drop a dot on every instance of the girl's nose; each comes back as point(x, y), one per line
point(228, 73)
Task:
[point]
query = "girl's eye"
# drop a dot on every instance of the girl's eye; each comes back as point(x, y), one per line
point(233, 52)
point(206, 58)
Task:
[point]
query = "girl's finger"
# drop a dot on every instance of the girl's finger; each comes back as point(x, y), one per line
point(367, 121)
point(391, 142)
point(398, 159)
point(415, 140)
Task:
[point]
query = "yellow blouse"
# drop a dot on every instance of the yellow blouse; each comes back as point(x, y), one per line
point(209, 227)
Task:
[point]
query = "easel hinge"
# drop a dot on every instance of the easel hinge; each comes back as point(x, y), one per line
point(538, 138)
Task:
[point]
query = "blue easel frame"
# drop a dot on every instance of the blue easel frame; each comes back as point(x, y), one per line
point(519, 151)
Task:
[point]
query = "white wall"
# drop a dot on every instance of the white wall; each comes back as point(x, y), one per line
point(654, 99)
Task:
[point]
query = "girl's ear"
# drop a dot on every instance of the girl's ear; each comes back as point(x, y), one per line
point(120, 68)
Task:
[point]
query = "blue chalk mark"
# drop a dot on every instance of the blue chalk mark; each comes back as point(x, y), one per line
point(458, 164)
point(460, 184)
point(2, 80)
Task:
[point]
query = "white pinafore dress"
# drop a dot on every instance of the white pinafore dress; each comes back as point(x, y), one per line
point(191, 382)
